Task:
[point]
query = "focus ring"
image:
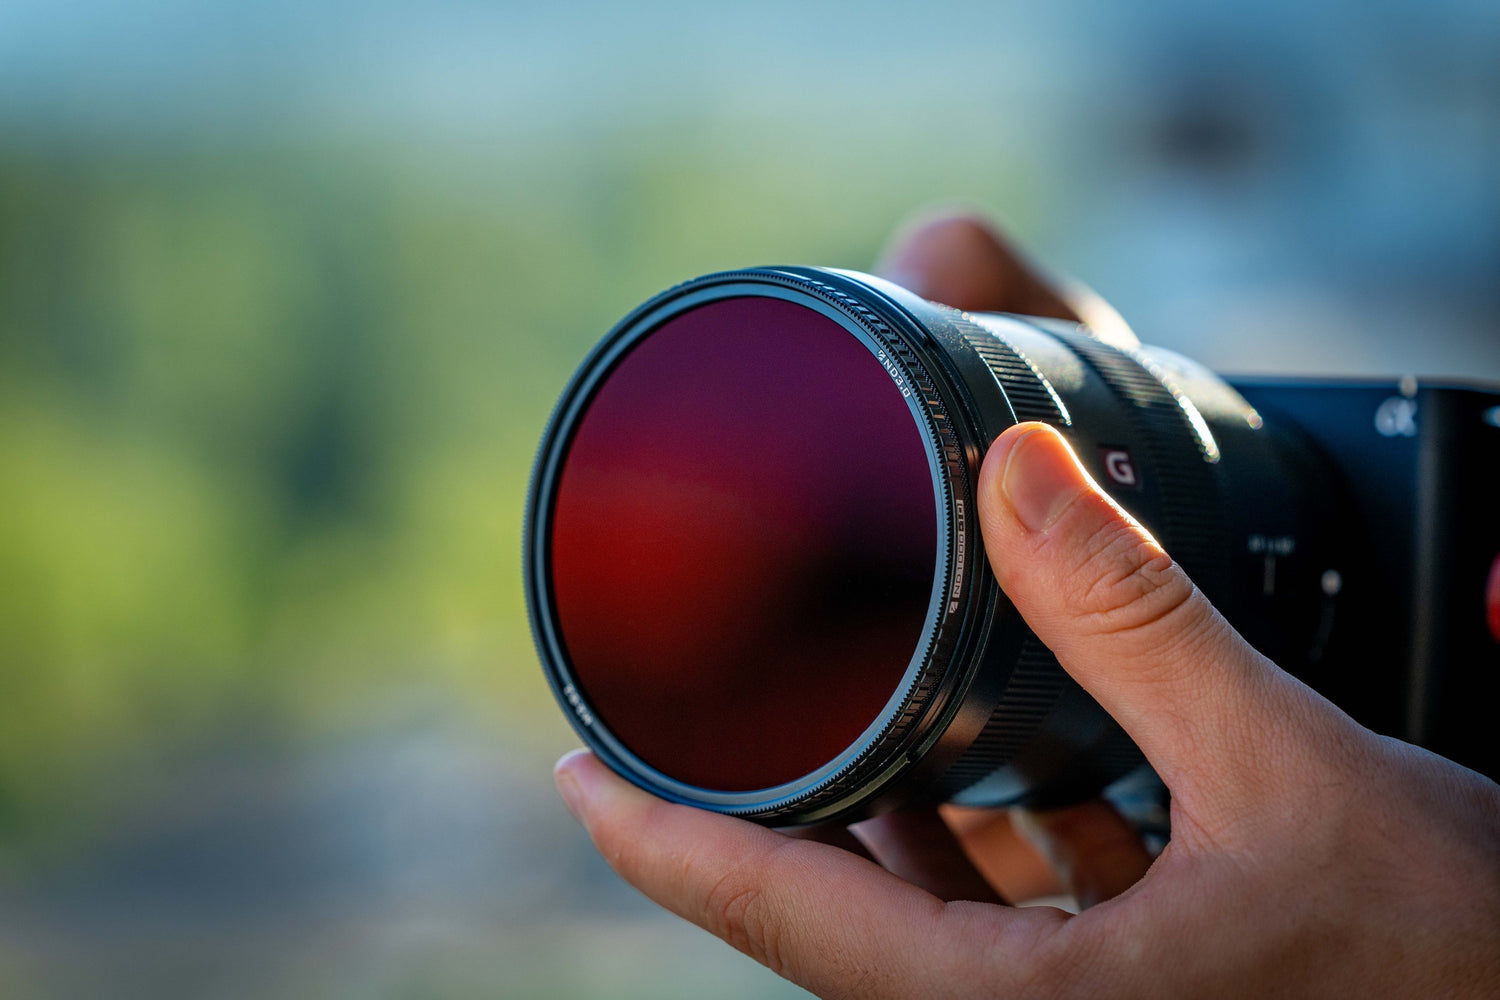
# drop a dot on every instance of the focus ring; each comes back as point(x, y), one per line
point(1036, 679)
point(1033, 688)
point(1030, 395)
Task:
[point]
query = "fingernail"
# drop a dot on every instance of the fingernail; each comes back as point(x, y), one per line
point(1040, 478)
point(565, 774)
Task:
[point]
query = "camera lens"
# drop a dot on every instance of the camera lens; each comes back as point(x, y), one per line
point(744, 541)
point(753, 564)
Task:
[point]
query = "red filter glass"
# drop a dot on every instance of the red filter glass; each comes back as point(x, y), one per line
point(743, 544)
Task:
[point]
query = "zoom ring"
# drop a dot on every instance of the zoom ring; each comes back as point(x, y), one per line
point(1192, 522)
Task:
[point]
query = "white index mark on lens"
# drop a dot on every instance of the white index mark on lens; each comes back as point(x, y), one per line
point(1332, 582)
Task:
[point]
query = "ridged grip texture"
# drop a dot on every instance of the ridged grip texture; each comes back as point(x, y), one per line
point(1036, 679)
point(1030, 395)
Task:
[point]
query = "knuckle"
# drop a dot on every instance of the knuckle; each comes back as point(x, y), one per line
point(737, 911)
point(1047, 960)
point(1126, 586)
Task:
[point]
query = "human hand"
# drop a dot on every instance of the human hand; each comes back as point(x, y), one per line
point(1308, 855)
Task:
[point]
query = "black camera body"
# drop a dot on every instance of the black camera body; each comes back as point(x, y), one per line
point(1410, 645)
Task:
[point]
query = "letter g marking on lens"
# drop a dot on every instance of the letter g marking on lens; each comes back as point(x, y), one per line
point(1120, 467)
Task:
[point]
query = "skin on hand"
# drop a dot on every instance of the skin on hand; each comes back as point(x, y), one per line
point(1308, 856)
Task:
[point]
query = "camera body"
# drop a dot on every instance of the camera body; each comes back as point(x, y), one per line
point(1409, 643)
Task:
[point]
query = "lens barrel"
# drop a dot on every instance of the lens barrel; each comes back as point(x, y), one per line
point(980, 712)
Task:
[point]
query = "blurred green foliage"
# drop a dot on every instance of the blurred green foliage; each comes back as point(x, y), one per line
point(267, 411)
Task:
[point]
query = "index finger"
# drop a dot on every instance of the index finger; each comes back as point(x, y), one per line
point(830, 921)
point(958, 259)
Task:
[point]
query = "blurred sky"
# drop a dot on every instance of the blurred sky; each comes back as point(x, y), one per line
point(287, 291)
point(1324, 169)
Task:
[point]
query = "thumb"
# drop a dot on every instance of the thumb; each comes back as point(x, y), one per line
point(1127, 623)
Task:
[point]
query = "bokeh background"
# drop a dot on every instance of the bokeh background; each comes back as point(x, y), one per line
point(287, 291)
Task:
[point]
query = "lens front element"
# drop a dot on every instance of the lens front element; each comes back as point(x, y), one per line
point(743, 544)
